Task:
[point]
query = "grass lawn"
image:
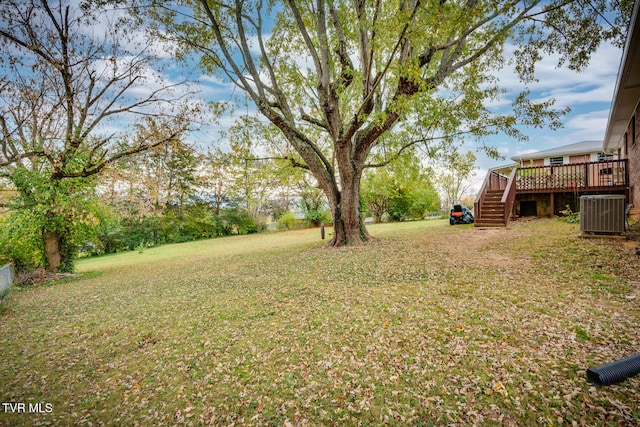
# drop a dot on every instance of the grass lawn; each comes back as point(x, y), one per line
point(428, 325)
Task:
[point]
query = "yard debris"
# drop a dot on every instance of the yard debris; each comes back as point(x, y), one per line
point(40, 276)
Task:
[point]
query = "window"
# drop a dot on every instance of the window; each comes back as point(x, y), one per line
point(626, 143)
point(633, 130)
point(605, 171)
point(602, 157)
point(556, 160)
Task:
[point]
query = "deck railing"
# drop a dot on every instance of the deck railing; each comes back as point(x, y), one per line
point(573, 177)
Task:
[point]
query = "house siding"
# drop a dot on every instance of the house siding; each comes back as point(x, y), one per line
point(581, 158)
point(633, 147)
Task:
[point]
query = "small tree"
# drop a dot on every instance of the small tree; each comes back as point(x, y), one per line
point(215, 187)
point(67, 208)
point(456, 176)
point(254, 180)
point(403, 190)
point(149, 181)
point(313, 202)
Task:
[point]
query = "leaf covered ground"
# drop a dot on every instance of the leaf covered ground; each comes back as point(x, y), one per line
point(427, 325)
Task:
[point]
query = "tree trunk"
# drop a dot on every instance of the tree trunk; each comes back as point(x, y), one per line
point(52, 250)
point(349, 229)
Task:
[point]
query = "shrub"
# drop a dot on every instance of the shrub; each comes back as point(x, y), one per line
point(172, 225)
point(287, 221)
point(237, 221)
point(21, 241)
point(570, 216)
point(317, 217)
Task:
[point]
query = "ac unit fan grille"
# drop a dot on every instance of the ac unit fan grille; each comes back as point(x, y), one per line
point(602, 214)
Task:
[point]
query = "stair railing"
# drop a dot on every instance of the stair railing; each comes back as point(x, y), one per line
point(493, 181)
point(509, 196)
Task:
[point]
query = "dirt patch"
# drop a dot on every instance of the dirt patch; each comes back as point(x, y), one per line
point(484, 244)
point(631, 244)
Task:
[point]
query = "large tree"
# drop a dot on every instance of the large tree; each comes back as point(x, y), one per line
point(336, 75)
point(71, 78)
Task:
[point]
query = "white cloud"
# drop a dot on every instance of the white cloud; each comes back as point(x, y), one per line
point(604, 66)
point(569, 88)
point(572, 96)
point(588, 126)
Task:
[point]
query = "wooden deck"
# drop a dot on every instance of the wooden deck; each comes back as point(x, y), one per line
point(579, 177)
point(495, 201)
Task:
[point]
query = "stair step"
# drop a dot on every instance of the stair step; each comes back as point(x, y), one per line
point(489, 219)
point(491, 212)
point(489, 224)
point(491, 200)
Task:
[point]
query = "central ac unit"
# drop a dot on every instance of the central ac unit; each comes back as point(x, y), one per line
point(602, 214)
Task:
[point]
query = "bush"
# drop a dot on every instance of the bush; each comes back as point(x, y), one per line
point(570, 216)
point(21, 241)
point(173, 225)
point(287, 221)
point(317, 217)
point(237, 221)
point(65, 213)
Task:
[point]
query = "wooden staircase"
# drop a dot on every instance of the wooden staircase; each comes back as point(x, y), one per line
point(491, 212)
point(495, 200)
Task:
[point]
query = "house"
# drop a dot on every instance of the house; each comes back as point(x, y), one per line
point(580, 152)
point(545, 182)
point(622, 135)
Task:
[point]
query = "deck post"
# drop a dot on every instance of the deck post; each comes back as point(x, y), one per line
point(586, 174)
